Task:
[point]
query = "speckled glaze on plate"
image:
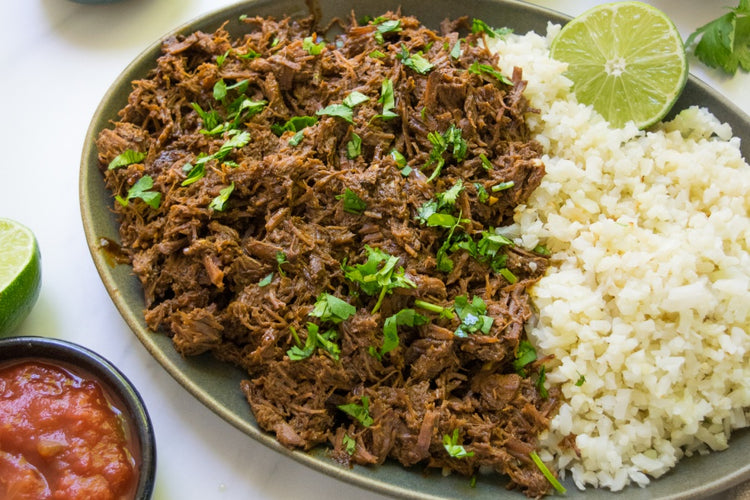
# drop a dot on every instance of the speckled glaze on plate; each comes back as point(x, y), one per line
point(217, 385)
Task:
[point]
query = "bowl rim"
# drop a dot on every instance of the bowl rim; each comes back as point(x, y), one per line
point(76, 356)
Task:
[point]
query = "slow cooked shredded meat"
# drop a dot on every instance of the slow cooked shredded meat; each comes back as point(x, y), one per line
point(285, 201)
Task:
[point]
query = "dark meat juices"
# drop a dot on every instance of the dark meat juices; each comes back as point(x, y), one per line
point(60, 437)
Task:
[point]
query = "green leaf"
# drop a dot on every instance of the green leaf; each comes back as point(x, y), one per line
point(196, 173)
point(725, 42)
point(540, 382)
point(525, 354)
point(387, 99)
point(482, 194)
point(450, 141)
point(444, 312)
point(219, 203)
point(354, 146)
point(294, 124)
point(331, 308)
point(355, 99)
point(266, 281)
point(472, 315)
point(374, 278)
point(455, 450)
point(350, 444)
point(141, 189)
point(377, 54)
point(220, 59)
point(479, 26)
point(417, 61)
point(352, 203)
point(360, 412)
point(456, 50)
point(220, 90)
point(339, 110)
point(311, 47)
point(315, 340)
point(581, 380)
point(127, 157)
point(405, 317)
point(297, 138)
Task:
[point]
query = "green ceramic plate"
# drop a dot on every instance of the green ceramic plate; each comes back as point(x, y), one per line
point(217, 385)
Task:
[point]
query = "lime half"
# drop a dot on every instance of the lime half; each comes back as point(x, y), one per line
point(626, 59)
point(20, 274)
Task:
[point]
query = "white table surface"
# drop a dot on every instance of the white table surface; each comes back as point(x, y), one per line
point(57, 59)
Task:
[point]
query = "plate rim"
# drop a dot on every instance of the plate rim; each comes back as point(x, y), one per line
point(316, 461)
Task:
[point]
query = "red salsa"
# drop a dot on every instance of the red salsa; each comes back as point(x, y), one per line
point(60, 437)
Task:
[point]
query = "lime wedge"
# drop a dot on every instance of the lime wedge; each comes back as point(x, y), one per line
point(20, 274)
point(626, 59)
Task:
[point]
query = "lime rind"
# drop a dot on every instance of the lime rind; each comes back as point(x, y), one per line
point(20, 274)
point(626, 59)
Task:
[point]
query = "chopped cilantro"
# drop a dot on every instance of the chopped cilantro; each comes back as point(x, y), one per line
point(219, 203)
point(417, 61)
point(354, 146)
point(542, 250)
point(331, 308)
point(127, 157)
point(195, 173)
point(294, 124)
point(350, 444)
point(455, 450)
point(472, 315)
point(378, 274)
point(388, 100)
point(503, 186)
point(479, 26)
point(486, 163)
point(405, 317)
point(281, 259)
point(220, 59)
point(540, 382)
point(315, 339)
point(142, 189)
point(482, 194)
point(508, 275)
point(456, 50)
point(377, 54)
point(352, 203)
point(312, 48)
point(478, 69)
point(360, 412)
point(525, 354)
point(266, 281)
point(355, 99)
point(385, 25)
point(581, 380)
point(449, 141)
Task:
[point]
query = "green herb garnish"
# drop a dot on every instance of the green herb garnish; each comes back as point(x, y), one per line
point(331, 308)
point(352, 203)
point(354, 146)
point(455, 450)
point(479, 26)
point(725, 42)
point(360, 412)
point(379, 275)
point(311, 47)
point(478, 69)
point(472, 315)
point(127, 157)
point(550, 477)
point(142, 189)
point(525, 354)
point(315, 339)
point(417, 61)
point(219, 203)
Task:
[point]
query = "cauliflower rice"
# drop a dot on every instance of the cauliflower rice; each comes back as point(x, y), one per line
point(646, 304)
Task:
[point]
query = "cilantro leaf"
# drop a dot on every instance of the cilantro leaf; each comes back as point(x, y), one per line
point(417, 61)
point(352, 203)
point(456, 51)
point(525, 354)
point(479, 26)
point(405, 317)
point(142, 189)
point(312, 48)
point(355, 99)
point(472, 315)
point(373, 278)
point(315, 339)
point(354, 146)
point(195, 173)
point(455, 450)
point(266, 281)
point(478, 69)
point(350, 444)
point(294, 124)
point(331, 308)
point(725, 42)
point(220, 202)
point(450, 141)
point(360, 412)
point(127, 157)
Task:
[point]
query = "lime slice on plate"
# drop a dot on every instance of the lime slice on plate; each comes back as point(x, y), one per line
point(626, 59)
point(20, 273)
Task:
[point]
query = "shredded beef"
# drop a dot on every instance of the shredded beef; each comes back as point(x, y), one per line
point(240, 280)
